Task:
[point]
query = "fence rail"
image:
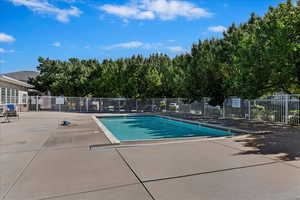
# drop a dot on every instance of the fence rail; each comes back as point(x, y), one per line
point(278, 109)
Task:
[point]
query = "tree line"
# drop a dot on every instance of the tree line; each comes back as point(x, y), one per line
point(252, 59)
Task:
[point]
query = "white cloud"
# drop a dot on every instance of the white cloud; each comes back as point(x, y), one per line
point(43, 7)
point(127, 45)
point(134, 45)
point(56, 44)
point(217, 29)
point(68, 1)
point(2, 61)
point(170, 9)
point(142, 45)
point(151, 9)
point(6, 38)
point(127, 12)
point(176, 49)
point(6, 51)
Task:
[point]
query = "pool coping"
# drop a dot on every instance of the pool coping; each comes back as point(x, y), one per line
point(110, 136)
point(107, 133)
point(159, 142)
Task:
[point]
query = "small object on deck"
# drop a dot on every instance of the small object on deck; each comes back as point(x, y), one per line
point(65, 123)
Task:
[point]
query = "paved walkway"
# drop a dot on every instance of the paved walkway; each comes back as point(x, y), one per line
point(41, 160)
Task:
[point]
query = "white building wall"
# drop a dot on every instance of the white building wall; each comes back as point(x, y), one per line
point(13, 94)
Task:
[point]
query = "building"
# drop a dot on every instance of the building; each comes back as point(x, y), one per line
point(24, 76)
point(13, 91)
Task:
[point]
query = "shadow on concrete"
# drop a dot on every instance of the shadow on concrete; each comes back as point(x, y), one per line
point(287, 144)
point(267, 138)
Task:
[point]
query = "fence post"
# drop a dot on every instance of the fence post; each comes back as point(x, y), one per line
point(249, 109)
point(224, 109)
point(119, 105)
point(87, 104)
point(37, 103)
point(286, 109)
point(177, 106)
point(204, 102)
point(100, 101)
point(165, 104)
point(80, 104)
point(136, 105)
point(152, 109)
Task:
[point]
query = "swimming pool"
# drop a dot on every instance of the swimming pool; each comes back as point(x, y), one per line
point(134, 128)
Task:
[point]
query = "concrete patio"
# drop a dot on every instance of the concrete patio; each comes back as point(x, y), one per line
point(41, 160)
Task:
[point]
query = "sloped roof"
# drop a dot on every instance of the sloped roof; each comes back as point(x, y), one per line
point(15, 81)
point(22, 75)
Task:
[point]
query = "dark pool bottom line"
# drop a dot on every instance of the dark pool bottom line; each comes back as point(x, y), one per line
point(142, 128)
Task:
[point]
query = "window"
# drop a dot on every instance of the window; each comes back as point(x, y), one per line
point(3, 96)
point(13, 96)
point(8, 95)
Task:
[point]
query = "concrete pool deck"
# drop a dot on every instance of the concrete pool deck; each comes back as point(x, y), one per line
point(41, 160)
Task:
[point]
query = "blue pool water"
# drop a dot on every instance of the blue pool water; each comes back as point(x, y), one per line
point(154, 127)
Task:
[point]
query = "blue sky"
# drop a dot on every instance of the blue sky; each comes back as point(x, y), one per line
point(60, 29)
